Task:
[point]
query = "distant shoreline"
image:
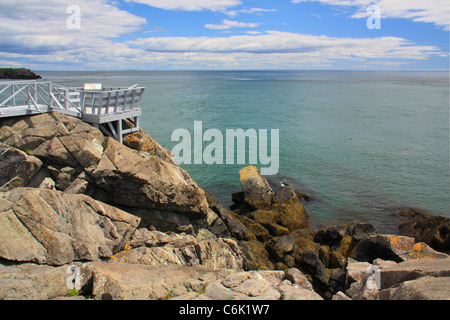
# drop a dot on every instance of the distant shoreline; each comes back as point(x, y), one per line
point(18, 74)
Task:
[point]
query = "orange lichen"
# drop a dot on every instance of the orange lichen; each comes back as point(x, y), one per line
point(248, 172)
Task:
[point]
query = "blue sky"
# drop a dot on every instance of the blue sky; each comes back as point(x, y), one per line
point(224, 34)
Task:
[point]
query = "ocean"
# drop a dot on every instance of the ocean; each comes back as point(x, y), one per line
point(363, 144)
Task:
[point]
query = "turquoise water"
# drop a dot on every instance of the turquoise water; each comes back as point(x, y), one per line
point(364, 144)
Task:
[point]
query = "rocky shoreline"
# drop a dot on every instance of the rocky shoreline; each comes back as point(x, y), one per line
point(124, 221)
point(18, 74)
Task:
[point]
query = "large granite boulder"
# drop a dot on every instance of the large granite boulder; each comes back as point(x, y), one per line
point(51, 227)
point(17, 168)
point(134, 281)
point(30, 281)
point(273, 227)
point(424, 227)
point(80, 159)
point(157, 248)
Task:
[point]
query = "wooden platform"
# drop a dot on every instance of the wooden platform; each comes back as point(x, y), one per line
point(105, 108)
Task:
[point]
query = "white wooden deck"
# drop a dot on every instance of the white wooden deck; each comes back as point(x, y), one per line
point(104, 108)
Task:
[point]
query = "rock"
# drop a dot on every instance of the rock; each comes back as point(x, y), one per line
point(217, 291)
point(157, 248)
point(145, 181)
point(251, 287)
point(347, 245)
point(424, 288)
point(312, 263)
point(400, 248)
point(255, 228)
point(291, 214)
point(294, 292)
point(79, 185)
point(340, 296)
point(18, 74)
point(337, 260)
point(357, 271)
point(383, 264)
point(284, 206)
point(17, 168)
point(409, 270)
point(367, 293)
point(213, 223)
point(333, 235)
point(259, 285)
point(424, 227)
point(147, 238)
point(295, 276)
point(263, 217)
point(32, 282)
point(254, 185)
point(324, 255)
point(390, 277)
point(141, 282)
point(47, 184)
point(220, 254)
point(303, 243)
point(255, 255)
point(337, 280)
point(276, 230)
point(280, 247)
point(143, 142)
point(46, 226)
point(204, 234)
point(237, 229)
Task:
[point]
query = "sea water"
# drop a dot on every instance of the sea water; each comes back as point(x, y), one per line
point(364, 144)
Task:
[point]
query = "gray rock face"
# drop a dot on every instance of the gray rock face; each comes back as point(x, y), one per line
point(142, 282)
point(214, 253)
point(32, 282)
point(254, 185)
point(425, 279)
point(425, 288)
point(147, 183)
point(81, 159)
point(16, 167)
point(46, 226)
point(134, 281)
point(259, 285)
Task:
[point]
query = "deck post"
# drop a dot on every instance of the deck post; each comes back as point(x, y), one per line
point(50, 97)
point(35, 93)
point(119, 130)
point(13, 93)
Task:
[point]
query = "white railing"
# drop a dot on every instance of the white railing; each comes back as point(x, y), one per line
point(111, 100)
point(25, 93)
point(34, 96)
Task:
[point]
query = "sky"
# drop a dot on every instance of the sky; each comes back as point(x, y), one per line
point(225, 34)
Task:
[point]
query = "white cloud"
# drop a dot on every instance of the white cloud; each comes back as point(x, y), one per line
point(287, 42)
point(228, 24)
point(35, 26)
point(190, 5)
point(257, 11)
point(34, 32)
point(430, 11)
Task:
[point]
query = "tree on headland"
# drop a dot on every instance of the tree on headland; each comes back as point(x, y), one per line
point(18, 73)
